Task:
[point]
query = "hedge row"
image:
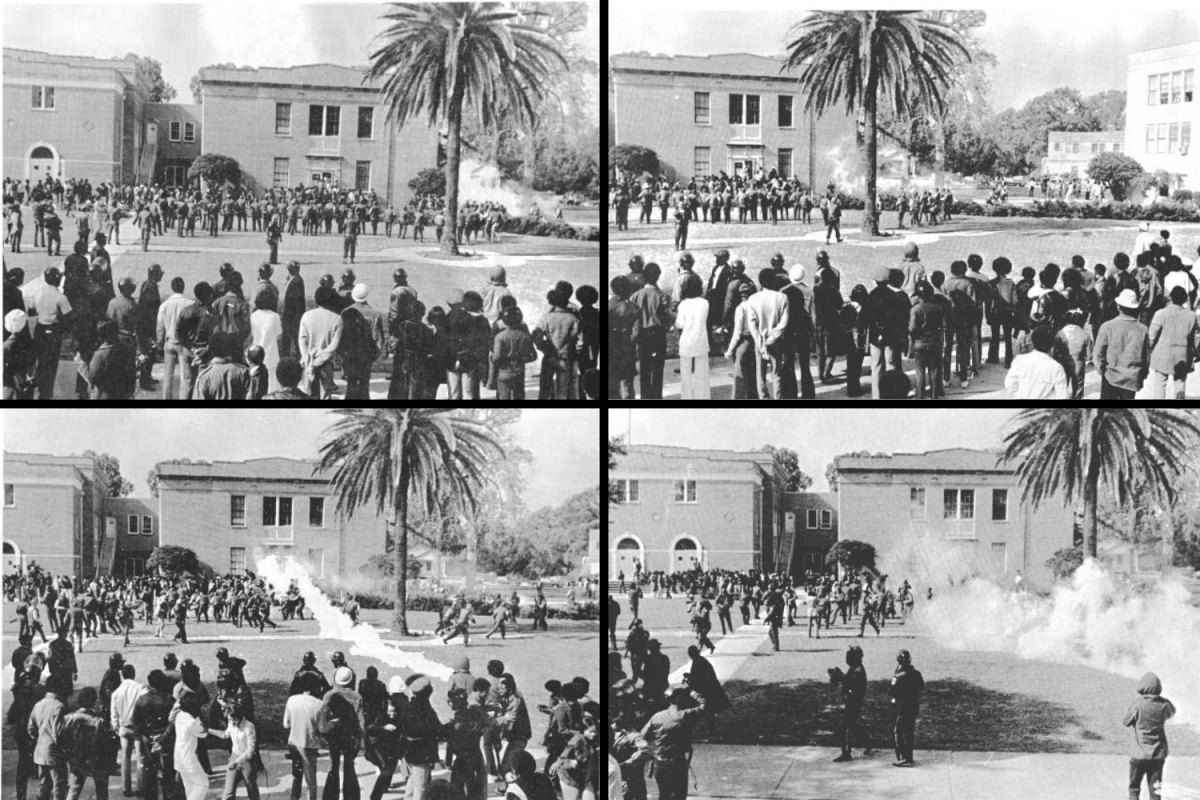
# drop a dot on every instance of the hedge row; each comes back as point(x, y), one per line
point(481, 607)
point(534, 226)
point(1180, 208)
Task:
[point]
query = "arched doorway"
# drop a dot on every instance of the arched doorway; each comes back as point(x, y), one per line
point(685, 554)
point(41, 161)
point(629, 553)
point(12, 558)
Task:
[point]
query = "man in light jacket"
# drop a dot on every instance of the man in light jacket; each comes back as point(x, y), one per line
point(767, 320)
point(46, 729)
point(124, 697)
point(1173, 333)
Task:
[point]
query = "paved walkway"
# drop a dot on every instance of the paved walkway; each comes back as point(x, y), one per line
point(732, 651)
point(807, 773)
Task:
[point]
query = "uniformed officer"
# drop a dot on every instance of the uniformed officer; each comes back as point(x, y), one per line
point(681, 225)
point(774, 603)
point(854, 691)
point(668, 735)
point(905, 691)
point(631, 752)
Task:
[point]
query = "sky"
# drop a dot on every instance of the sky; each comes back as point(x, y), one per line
point(564, 442)
point(186, 37)
point(816, 435)
point(1039, 47)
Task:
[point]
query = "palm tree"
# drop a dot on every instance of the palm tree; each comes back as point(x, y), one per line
point(442, 59)
point(851, 57)
point(390, 458)
point(1074, 452)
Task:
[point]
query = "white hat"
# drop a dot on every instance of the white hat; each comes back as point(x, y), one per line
point(359, 293)
point(343, 676)
point(15, 320)
point(1127, 299)
point(396, 685)
point(1145, 226)
point(796, 273)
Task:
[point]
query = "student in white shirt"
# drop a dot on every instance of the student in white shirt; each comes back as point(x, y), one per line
point(692, 320)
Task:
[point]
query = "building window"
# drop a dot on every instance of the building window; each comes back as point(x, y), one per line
point(685, 491)
point(362, 175)
point(1057, 146)
point(316, 557)
point(269, 509)
point(316, 512)
point(826, 520)
point(1164, 89)
point(43, 98)
point(285, 511)
point(810, 519)
point(133, 524)
point(281, 172)
point(916, 503)
point(174, 176)
point(1150, 138)
point(8, 494)
point(135, 566)
point(147, 525)
point(366, 122)
point(1173, 141)
point(237, 510)
point(1095, 147)
point(1185, 137)
point(1074, 147)
point(703, 117)
point(1176, 87)
point(736, 108)
point(785, 162)
point(702, 164)
point(174, 132)
point(628, 491)
point(959, 504)
point(1000, 505)
point(785, 112)
point(1162, 137)
point(752, 109)
point(283, 119)
point(189, 132)
point(1116, 148)
point(237, 560)
point(1188, 77)
point(323, 120)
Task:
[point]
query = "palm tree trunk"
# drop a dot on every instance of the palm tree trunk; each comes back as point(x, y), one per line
point(1091, 491)
point(400, 554)
point(453, 154)
point(870, 98)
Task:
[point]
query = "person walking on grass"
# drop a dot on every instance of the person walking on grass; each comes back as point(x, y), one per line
point(1147, 716)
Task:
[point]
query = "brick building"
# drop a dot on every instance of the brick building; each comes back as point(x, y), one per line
point(1070, 152)
point(718, 509)
point(946, 514)
point(1162, 110)
point(312, 124)
point(174, 130)
point(133, 523)
point(734, 113)
point(53, 513)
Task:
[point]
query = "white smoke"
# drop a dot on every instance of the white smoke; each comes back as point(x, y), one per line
point(1091, 621)
point(336, 625)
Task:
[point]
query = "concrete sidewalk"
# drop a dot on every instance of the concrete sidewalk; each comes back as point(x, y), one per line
point(808, 773)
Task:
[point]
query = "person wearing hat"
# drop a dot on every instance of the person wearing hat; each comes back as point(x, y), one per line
point(497, 290)
point(234, 664)
point(1122, 352)
point(464, 756)
point(885, 315)
point(461, 677)
point(340, 720)
point(19, 356)
point(361, 343)
point(854, 690)
point(668, 736)
point(681, 214)
point(716, 293)
point(799, 335)
point(767, 321)
point(905, 693)
point(421, 731)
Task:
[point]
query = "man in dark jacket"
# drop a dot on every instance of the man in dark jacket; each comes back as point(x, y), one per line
point(905, 691)
point(1147, 716)
point(421, 730)
point(147, 321)
point(885, 316)
point(340, 721)
point(293, 309)
point(799, 335)
point(87, 734)
point(150, 714)
point(702, 679)
point(27, 693)
point(854, 687)
point(716, 294)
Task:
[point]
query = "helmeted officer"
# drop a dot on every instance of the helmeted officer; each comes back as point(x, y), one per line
point(905, 691)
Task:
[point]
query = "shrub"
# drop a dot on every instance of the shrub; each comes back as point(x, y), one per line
point(533, 226)
point(1163, 211)
point(1064, 562)
point(1184, 196)
point(1116, 170)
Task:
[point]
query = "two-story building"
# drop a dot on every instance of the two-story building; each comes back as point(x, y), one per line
point(733, 113)
point(1162, 110)
point(716, 509)
point(53, 514)
point(1070, 152)
point(947, 514)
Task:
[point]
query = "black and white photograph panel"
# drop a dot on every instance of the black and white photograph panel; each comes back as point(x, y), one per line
point(348, 603)
point(338, 201)
point(986, 204)
point(967, 605)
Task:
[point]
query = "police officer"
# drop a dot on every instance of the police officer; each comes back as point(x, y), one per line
point(631, 753)
point(724, 604)
point(636, 645)
point(773, 600)
point(681, 225)
point(854, 691)
point(905, 692)
point(668, 735)
point(656, 670)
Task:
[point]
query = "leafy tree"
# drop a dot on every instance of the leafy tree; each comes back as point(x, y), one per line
point(633, 159)
point(1108, 109)
point(549, 541)
point(438, 61)
point(1064, 562)
point(151, 71)
point(615, 448)
point(173, 560)
point(1115, 170)
point(391, 458)
point(851, 553)
point(787, 464)
point(849, 58)
point(831, 471)
point(430, 180)
point(216, 170)
point(152, 475)
point(1073, 454)
point(194, 85)
point(382, 566)
point(112, 483)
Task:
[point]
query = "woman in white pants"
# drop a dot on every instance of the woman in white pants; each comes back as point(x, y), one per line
point(692, 320)
point(188, 732)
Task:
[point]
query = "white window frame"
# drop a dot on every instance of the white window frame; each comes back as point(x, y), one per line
point(233, 523)
point(147, 525)
point(681, 491)
point(233, 569)
point(173, 130)
point(287, 177)
point(131, 525)
point(811, 520)
point(695, 95)
point(826, 520)
point(287, 132)
point(277, 531)
point(189, 131)
point(44, 93)
point(627, 489)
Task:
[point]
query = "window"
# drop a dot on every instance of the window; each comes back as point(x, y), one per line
point(147, 525)
point(703, 117)
point(1176, 87)
point(1150, 138)
point(281, 172)
point(785, 112)
point(189, 132)
point(685, 491)
point(1153, 98)
point(366, 122)
point(752, 109)
point(703, 161)
point(1000, 505)
point(174, 131)
point(43, 98)
point(8, 494)
point(789, 522)
point(237, 510)
point(785, 162)
point(1164, 89)
point(736, 108)
point(826, 520)
point(1185, 137)
point(133, 524)
point(237, 560)
point(1173, 141)
point(285, 511)
point(810, 520)
point(916, 503)
point(316, 512)
point(1074, 147)
point(628, 491)
point(135, 566)
point(269, 511)
point(316, 557)
point(1095, 147)
point(174, 176)
point(362, 175)
point(1162, 137)
point(1116, 148)
point(966, 504)
point(1057, 146)
point(323, 120)
point(1188, 76)
point(1074, 170)
point(283, 119)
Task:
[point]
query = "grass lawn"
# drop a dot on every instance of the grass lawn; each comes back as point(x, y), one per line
point(566, 651)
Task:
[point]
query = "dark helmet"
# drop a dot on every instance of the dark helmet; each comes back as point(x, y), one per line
point(686, 260)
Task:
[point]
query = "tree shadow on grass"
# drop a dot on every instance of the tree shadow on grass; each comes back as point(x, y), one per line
point(955, 715)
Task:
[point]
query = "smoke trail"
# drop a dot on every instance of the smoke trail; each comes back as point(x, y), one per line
point(336, 625)
point(1091, 621)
